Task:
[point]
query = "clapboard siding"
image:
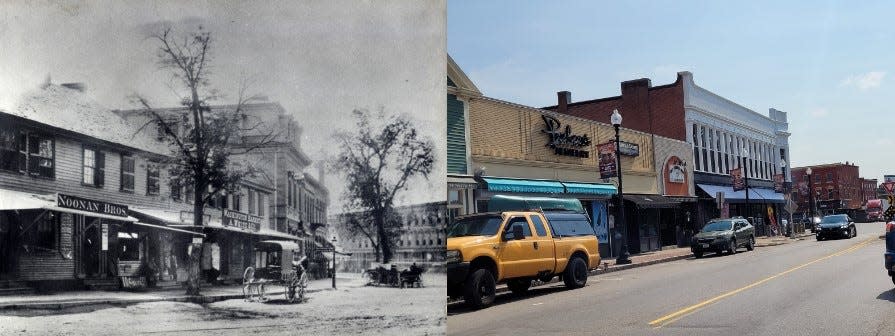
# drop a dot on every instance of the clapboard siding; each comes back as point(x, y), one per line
point(68, 162)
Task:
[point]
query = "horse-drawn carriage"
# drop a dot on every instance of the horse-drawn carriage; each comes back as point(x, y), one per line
point(383, 274)
point(277, 263)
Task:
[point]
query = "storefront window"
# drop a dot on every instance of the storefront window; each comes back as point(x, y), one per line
point(42, 236)
point(128, 247)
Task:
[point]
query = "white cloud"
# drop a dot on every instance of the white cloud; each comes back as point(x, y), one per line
point(865, 81)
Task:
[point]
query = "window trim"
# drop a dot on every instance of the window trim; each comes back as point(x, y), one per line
point(153, 166)
point(133, 173)
point(99, 166)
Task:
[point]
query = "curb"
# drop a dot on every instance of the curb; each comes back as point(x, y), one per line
point(124, 302)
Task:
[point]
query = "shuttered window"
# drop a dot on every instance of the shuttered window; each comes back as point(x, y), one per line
point(456, 136)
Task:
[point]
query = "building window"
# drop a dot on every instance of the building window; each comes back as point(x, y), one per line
point(127, 173)
point(260, 204)
point(189, 190)
point(237, 202)
point(152, 177)
point(252, 202)
point(33, 154)
point(93, 167)
point(176, 189)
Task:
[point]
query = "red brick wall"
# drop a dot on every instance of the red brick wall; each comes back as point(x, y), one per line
point(845, 183)
point(656, 110)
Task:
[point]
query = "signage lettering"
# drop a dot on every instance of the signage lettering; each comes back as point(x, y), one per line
point(563, 141)
point(242, 220)
point(628, 149)
point(83, 204)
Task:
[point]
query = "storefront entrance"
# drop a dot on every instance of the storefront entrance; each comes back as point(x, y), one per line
point(91, 250)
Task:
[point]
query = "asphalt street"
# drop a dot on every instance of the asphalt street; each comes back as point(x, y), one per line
point(807, 287)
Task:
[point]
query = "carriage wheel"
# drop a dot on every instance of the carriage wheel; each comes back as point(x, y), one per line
point(291, 289)
point(302, 284)
point(368, 277)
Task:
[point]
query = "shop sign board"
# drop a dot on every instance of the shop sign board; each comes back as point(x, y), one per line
point(133, 282)
point(83, 204)
point(242, 220)
point(628, 148)
point(187, 217)
point(105, 238)
point(563, 141)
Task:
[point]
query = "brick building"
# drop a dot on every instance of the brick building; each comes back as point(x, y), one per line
point(717, 129)
point(837, 187)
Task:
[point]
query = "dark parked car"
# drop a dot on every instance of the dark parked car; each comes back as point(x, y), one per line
point(721, 235)
point(890, 250)
point(836, 226)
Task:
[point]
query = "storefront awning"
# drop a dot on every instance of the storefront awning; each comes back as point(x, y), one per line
point(652, 201)
point(461, 182)
point(590, 188)
point(524, 186)
point(16, 200)
point(159, 227)
point(285, 245)
point(757, 194)
point(164, 216)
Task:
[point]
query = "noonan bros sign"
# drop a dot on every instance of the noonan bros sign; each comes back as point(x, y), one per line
point(83, 204)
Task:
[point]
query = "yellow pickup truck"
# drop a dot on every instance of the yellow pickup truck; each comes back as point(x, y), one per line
point(516, 247)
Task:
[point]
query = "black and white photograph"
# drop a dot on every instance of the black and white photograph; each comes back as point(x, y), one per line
point(223, 167)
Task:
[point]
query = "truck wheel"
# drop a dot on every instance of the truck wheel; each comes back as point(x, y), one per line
point(575, 275)
point(697, 254)
point(519, 286)
point(480, 289)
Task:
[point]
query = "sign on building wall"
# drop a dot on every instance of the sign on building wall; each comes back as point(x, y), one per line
point(607, 160)
point(242, 220)
point(628, 148)
point(563, 141)
point(736, 176)
point(83, 204)
point(676, 177)
point(105, 237)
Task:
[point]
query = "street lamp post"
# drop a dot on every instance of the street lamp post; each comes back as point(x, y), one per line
point(810, 198)
point(623, 256)
point(334, 262)
point(745, 153)
point(786, 192)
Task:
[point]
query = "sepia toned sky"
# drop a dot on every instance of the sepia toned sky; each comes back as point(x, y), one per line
point(319, 59)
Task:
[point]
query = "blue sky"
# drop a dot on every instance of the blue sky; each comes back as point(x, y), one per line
point(828, 64)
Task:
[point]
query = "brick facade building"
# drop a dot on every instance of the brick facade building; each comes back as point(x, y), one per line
point(837, 187)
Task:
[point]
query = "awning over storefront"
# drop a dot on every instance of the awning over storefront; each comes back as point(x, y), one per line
point(164, 216)
point(159, 227)
point(652, 201)
point(16, 200)
point(461, 182)
point(590, 188)
point(757, 194)
point(524, 186)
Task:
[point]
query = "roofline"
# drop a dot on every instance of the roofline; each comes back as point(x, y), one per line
point(73, 134)
point(462, 80)
point(725, 99)
point(274, 104)
point(598, 100)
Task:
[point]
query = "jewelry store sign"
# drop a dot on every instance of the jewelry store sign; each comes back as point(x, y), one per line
point(563, 141)
point(242, 220)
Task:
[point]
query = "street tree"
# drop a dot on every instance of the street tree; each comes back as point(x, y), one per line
point(378, 159)
point(205, 141)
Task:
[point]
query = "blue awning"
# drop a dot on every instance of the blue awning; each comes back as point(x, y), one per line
point(590, 188)
point(524, 186)
point(764, 195)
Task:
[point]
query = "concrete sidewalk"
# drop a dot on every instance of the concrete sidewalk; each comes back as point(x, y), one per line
point(663, 256)
point(67, 299)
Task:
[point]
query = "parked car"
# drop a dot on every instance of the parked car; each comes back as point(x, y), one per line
point(516, 247)
point(836, 225)
point(889, 255)
point(721, 235)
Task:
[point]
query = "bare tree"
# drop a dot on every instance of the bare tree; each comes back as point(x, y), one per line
point(203, 139)
point(378, 164)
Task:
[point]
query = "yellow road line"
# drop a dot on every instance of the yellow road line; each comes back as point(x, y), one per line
point(670, 318)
